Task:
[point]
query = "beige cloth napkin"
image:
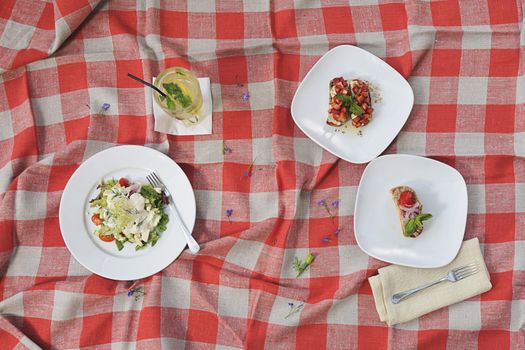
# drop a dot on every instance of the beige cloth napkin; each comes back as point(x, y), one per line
point(393, 279)
point(169, 125)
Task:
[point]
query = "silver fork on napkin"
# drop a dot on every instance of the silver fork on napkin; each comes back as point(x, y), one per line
point(453, 275)
point(155, 181)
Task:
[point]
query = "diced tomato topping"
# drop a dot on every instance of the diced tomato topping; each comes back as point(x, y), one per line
point(407, 199)
point(96, 219)
point(123, 182)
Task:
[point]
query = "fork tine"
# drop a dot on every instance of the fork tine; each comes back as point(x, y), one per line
point(467, 274)
point(462, 268)
point(159, 181)
point(151, 180)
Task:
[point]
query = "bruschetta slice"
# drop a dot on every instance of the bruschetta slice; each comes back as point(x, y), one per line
point(410, 210)
point(349, 100)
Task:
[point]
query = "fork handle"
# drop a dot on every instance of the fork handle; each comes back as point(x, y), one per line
point(192, 243)
point(398, 297)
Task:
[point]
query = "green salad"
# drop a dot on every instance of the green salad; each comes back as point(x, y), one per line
point(129, 212)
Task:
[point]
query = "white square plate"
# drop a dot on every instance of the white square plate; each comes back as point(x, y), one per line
point(443, 193)
point(310, 103)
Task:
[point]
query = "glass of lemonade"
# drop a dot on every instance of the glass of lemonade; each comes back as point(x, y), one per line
point(184, 99)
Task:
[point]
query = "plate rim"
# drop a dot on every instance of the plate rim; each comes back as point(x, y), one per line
point(128, 276)
point(380, 61)
point(464, 222)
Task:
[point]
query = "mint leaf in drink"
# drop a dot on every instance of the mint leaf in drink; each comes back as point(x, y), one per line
point(170, 103)
point(177, 94)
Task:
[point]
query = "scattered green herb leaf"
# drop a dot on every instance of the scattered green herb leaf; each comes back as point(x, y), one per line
point(300, 266)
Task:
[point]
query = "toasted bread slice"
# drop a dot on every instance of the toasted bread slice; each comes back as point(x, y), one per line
point(407, 213)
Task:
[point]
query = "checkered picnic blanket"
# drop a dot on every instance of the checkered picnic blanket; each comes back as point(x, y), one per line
point(61, 60)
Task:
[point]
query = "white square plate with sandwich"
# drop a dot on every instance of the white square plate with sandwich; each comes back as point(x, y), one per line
point(311, 103)
point(442, 192)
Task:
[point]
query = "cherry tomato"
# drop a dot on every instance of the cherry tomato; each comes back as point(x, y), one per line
point(96, 219)
point(108, 238)
point(407, 199)
point(123, 182)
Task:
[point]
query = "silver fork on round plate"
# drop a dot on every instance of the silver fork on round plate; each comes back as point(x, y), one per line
point(155, 181)
point(453, 275)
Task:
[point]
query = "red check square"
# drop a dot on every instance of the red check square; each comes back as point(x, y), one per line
point(287, 66)
point(446, 62)
point(52, 235)
point(501, 287)
point(493, 339)
point(99, 325)
point(338, 20)
point(283, 24)
point(500, 227)
point(445, 13)
point(441, 118)
point(38, 330)
point(76, 129)
point(237, 125)
point(372, 337)
point(202, 326)
point(311, 336)
point(72, 76)
point(393, 16)
point(174, 24)
point(432, 339)
point(230, 25)
point(122, 22)
point(500, 118)
point(149, 323)
point(503, 11)
point(233, 70)
point(25, 144)
point(499, 170)
point(59, 176)
point(504, 62)
point(47, 17)
point(132, 129)
point(206, 269)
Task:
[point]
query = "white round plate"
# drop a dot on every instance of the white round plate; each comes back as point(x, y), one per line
point(443, 193)
point(310, 104)
point(103, 258)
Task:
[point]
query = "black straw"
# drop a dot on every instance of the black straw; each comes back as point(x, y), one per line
point(147, 84)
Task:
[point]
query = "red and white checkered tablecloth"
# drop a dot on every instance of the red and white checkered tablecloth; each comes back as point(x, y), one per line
point(61, 60)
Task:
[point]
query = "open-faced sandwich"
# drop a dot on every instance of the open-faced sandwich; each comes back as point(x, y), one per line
point(410, 210)
point(349, 100)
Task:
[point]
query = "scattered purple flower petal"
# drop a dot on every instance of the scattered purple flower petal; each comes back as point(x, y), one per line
point(335, 204)
point(130, 293)
point(106, 106)
point(294, 309)
point(326, 239)
point(321, 203)
point(229, 213)
point(337, 231)
point(246, 96)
